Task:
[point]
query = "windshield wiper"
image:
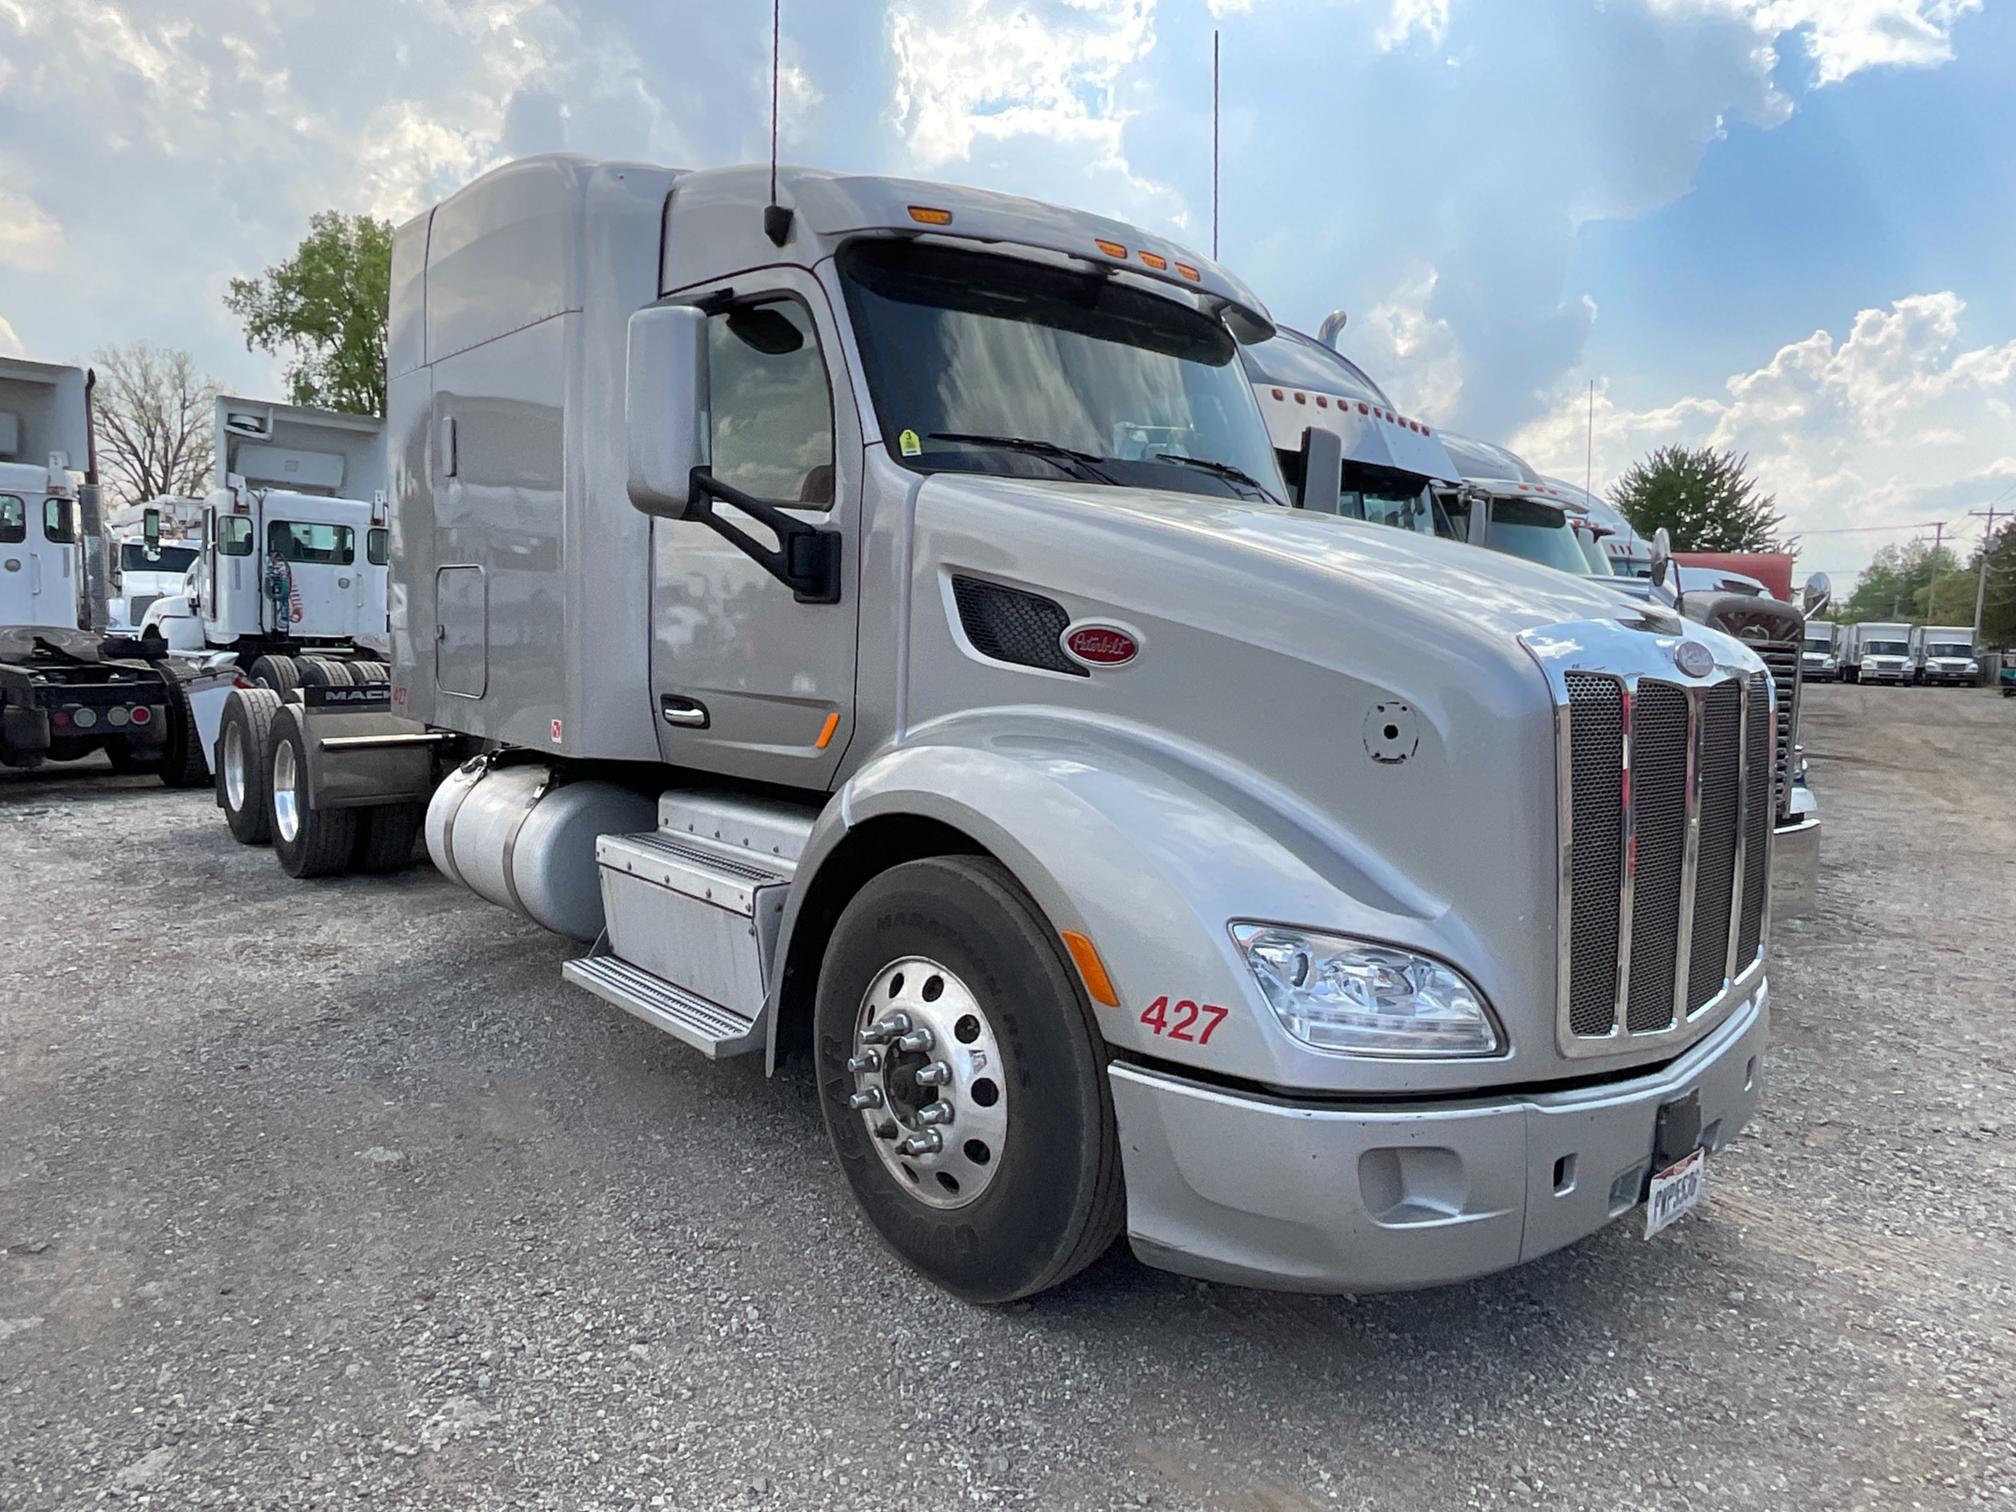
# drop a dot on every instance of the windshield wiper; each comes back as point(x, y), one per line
point(1222, 469)
point(1087, 465)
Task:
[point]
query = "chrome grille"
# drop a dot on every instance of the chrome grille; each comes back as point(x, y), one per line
point(1666, 811)
point(1756, 844)
point(1715, 861)
point(1782, 657)
point(1596, 708)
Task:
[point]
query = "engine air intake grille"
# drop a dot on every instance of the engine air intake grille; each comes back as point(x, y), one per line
point(1667, 805)
point(1782, 657)
point(1011, 625)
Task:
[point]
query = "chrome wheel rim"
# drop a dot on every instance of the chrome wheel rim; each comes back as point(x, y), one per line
point(286, 807)
point(234, 768)
point(927, 1082)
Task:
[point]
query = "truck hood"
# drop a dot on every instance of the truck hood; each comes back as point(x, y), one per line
point(1421, 577)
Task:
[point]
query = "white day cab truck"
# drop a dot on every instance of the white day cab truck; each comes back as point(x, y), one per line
point(293, 544)
point(152, 547)
point(66, 689)
point(1943, 654)
point(1876, 651)
point(867, 617)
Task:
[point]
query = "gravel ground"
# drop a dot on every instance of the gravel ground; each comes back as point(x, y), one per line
point(327, 1195)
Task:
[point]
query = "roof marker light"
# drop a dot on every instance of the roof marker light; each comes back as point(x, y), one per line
point(1189, 272)
point(1321, 402)
point(1154, 259)
point(1364, 408)
point(1111, 249)
point(1278, 394)
point(1300, 397)
point(930, 215)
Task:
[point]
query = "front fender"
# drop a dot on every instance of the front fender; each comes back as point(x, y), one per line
point(176, 620)
point(1152, 854)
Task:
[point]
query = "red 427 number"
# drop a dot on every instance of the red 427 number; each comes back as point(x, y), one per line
point(1178, 1019)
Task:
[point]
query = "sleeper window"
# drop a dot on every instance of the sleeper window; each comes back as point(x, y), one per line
point(773, 408)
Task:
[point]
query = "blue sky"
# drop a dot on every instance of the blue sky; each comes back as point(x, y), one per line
point(1779, 225)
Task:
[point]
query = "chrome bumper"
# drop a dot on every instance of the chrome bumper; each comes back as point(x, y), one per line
point(1795, 859)
point(1392, 1196)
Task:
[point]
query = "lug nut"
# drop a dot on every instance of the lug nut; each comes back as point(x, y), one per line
point(935, 1113)
point(930, 1142)
point(885, 1028)
point(867, 1097)
point(868, 1061)
point(937, 1074)
point(916, 1039)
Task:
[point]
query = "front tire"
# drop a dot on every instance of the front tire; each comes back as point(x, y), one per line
point(1016, 1187)
point(309, 842)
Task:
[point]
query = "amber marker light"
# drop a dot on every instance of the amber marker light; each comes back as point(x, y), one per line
point(1091, 968)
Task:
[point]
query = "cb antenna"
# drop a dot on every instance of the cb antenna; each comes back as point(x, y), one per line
point(1214, 144)
point(776, 219)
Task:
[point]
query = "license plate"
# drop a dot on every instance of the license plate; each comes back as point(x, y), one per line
point(1675, 1191)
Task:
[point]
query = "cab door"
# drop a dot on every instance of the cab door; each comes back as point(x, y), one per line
point(745, 679)
point(17, 563)
point(320, 562)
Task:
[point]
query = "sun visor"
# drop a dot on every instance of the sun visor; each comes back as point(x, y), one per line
point(1373, 435)
point(847, 204)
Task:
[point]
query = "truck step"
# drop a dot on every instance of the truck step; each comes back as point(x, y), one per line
point(767, 831)
point(714, 1031)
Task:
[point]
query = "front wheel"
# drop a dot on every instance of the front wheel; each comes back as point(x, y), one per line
point(963, 1081)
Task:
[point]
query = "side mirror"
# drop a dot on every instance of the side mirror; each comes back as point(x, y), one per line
point(1322, 471)
point(150, 530)
point(1662, 557)
point(1816, 595)
point(665, 407)
point(1479, 500)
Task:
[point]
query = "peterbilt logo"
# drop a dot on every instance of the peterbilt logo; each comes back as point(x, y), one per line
point(1693, 658)
point(1097, 644)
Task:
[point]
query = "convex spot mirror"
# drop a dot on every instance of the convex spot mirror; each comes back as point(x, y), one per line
point(665, 406)
point(1662, 557)
point(1814, 597)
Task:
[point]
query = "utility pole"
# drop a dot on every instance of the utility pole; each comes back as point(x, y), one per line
point(1987, 545)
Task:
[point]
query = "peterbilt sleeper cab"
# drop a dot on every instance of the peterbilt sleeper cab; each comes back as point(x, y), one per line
point(891, 646)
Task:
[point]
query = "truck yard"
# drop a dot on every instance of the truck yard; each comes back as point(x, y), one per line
point(334, 1194)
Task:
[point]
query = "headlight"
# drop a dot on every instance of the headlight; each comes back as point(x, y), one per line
point(1336, 993)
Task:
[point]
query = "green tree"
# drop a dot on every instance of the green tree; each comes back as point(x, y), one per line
point(1897, 584)
point(326, 307)
point(1706, 500)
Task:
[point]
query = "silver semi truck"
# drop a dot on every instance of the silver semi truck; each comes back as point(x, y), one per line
point(1943, 654)
point(866, 614)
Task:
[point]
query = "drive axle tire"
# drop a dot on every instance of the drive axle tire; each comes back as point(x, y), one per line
point(280, 673)
point(182, 763)
point(309, 842)
point(980, 1142)
point(244, 762)
point(322, 672)
point(386, 836)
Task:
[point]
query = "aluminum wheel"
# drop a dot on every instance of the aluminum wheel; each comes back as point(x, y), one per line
point(286, 808)
point(928, 1082)
point(234, 766)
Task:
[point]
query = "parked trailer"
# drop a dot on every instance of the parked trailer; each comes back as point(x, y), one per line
point(1943, 654)
point(1125, 849)
point(1876, 651)
point(292, 568)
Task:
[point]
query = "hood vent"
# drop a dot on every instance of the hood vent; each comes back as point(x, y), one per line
point(1011, 625)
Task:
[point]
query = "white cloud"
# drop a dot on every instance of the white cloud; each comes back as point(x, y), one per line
point(1894, 422)
point(1406, 17)
point(30, 237)
point(1414, 353)
point(1845, 37)
point(10, 344)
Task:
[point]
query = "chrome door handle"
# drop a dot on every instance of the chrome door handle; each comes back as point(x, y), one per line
point(687, 713)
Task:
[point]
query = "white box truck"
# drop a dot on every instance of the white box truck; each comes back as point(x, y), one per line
point(864, 613)
point(1876, 651)
point(1943, 654)
point(1819, 652)
point(290, 572)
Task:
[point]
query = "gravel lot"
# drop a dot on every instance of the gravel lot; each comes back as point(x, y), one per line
point(326, 1195)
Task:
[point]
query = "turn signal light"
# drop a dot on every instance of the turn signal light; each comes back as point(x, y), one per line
point(930, 216)
point(1086, 957)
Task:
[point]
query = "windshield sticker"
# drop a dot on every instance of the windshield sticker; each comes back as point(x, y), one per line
point(909, 445)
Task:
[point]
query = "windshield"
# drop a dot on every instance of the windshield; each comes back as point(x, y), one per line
point(1594, 554)
point(1949, 649)
point(981, 363)
point(1294, 361)
point(1523, 528)
point(134, 557)
point(1884, 648)
point(1819, 644)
